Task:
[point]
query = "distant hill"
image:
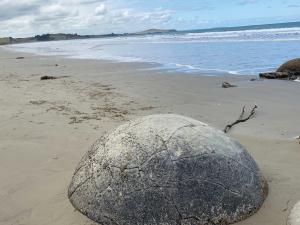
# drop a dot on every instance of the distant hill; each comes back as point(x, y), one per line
point(61, 36)
point(155, 31)
point(51, 37)
point(4, 41)
point(242, 28)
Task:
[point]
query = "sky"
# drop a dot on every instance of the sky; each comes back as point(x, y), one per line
point(21, 18)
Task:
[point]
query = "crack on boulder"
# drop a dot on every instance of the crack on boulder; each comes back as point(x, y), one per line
point(207, 154)
point(79, 186)
point(217, 184)
point(125, 168)
point(180, 218)
point(111, 220)
point(192, 126)
point(178, 129)
point(191, 217)
point(189, 157)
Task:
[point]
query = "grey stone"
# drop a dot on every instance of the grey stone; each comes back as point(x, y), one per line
point(227, 85)
point(279, 75)
point(168, 170)
point(287, 71)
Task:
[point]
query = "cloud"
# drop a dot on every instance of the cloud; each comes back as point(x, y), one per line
point(293, 6)
point(31, 17)
point(11, 9)
point(101, 10)
point(247, 2)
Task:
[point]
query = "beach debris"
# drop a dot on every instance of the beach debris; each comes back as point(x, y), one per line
point(294, 217)
point(287, 71)
point(227, 85)
point(21, 57)
point(48, 78)
point(39, 102)
point(52, 77)
point(253, 79)
point(242, 118)
point(169, 169)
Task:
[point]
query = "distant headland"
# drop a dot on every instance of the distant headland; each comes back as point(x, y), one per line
point(63, 36)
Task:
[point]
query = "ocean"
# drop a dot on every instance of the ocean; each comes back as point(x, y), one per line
point(239, 50)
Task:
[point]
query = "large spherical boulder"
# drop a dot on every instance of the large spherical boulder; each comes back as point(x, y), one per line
point(294, 217)
point(169, 170)
point(292, 66)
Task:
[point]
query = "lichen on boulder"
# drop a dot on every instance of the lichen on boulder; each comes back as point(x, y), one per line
point(167, 169)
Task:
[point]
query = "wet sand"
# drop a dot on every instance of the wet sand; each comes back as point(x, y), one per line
point(46, 126)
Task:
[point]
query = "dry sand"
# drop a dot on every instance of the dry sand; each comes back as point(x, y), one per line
point(46, 126)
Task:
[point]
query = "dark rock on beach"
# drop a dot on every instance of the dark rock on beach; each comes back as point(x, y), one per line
point(288, 71)
point(48, 78)
point(279, 75)
point(227, 85)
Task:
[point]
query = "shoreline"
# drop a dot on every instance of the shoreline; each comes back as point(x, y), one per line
point(172, 68)
point(47, 126)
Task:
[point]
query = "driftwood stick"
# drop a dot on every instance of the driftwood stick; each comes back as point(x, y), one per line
point(243, 113)
point(241, 118)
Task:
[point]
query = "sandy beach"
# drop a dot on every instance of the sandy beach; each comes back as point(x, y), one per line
point(47, 126)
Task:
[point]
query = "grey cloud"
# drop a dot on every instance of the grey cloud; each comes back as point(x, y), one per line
point(23, 17)
point(206, 7)
point(293, 6)
point(101, 10)
point(247, 2)
point(11, 9)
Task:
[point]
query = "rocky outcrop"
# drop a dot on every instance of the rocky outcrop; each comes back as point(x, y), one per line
point(288, 71)
point(280, 75)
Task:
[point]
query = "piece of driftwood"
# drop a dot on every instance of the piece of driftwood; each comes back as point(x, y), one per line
point(48, 78)
point(52, 77)
point(241, 119)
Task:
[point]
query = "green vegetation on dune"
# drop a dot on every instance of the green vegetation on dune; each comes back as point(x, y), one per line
point(62, 36)
point(53, 37)
point(5, 41)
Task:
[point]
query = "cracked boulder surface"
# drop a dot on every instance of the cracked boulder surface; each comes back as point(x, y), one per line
point(168, 170)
